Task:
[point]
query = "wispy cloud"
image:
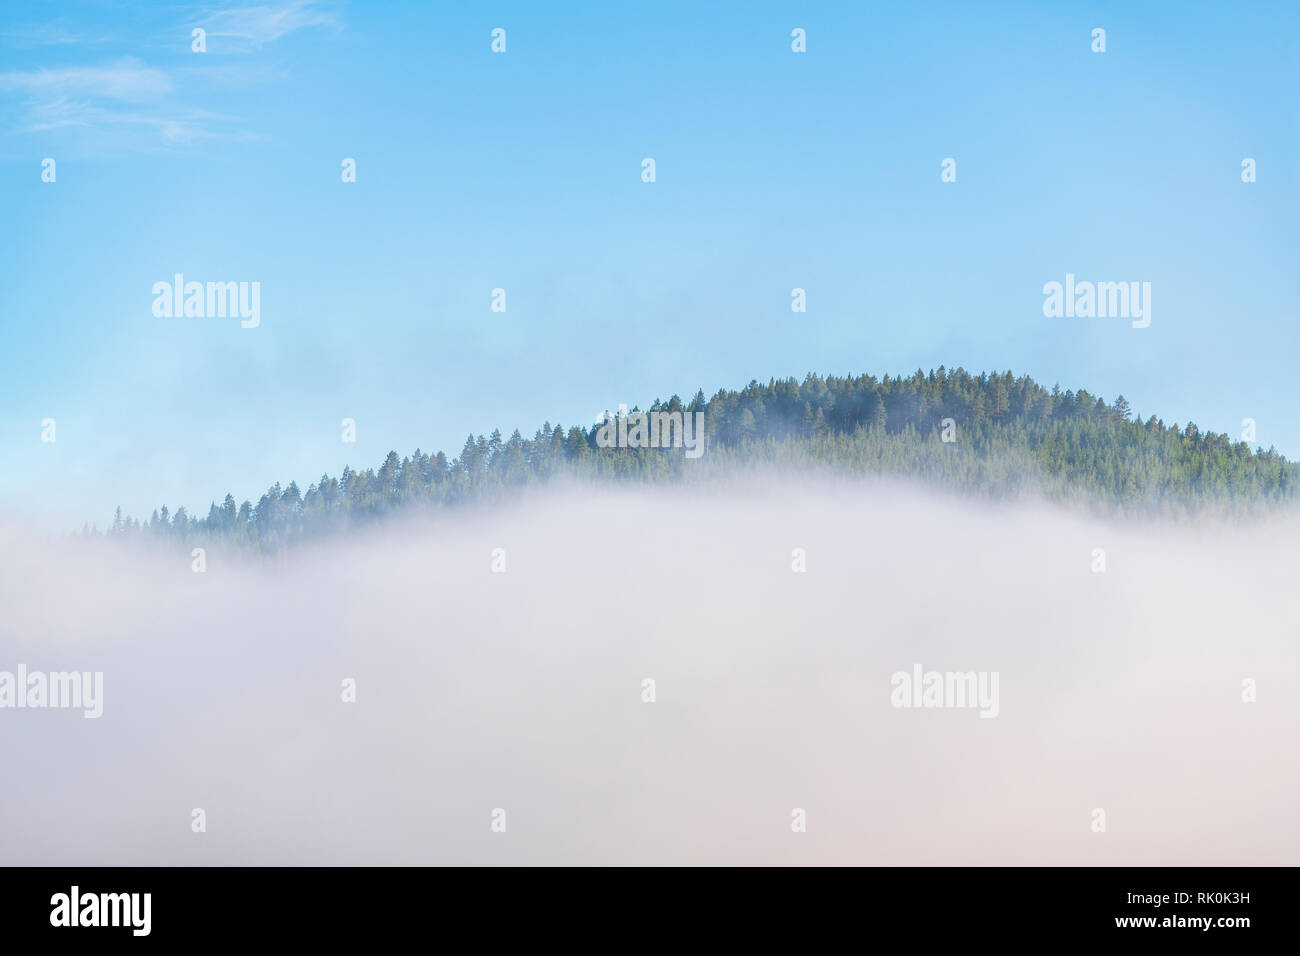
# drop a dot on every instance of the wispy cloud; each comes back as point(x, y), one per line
point(125, 80)
point(172, 127)
point(55, 33)
point(265, 24)
point(125, 94)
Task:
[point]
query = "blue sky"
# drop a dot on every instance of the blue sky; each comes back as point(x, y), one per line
point(522, 171)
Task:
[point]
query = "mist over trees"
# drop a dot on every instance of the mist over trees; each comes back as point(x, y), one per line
point(1013, 438)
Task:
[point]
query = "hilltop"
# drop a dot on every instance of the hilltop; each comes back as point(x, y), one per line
point(993, 435)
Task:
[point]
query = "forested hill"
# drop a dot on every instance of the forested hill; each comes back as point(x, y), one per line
point(1013, 438)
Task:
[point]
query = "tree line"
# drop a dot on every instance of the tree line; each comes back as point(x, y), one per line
point(1012, 437)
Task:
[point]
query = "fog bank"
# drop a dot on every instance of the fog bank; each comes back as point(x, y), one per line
point(522, 689)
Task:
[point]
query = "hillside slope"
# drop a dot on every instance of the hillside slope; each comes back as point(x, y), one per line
point(1006, 437)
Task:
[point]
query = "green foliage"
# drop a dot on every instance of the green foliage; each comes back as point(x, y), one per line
point(1014, 439)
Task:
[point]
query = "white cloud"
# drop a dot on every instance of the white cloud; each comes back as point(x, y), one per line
point(124, 80)
point(54, 33)
point(266, 24)
point(124, 95)
point(523, 690)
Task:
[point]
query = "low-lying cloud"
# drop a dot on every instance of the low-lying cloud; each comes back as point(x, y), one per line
point(523, 690)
